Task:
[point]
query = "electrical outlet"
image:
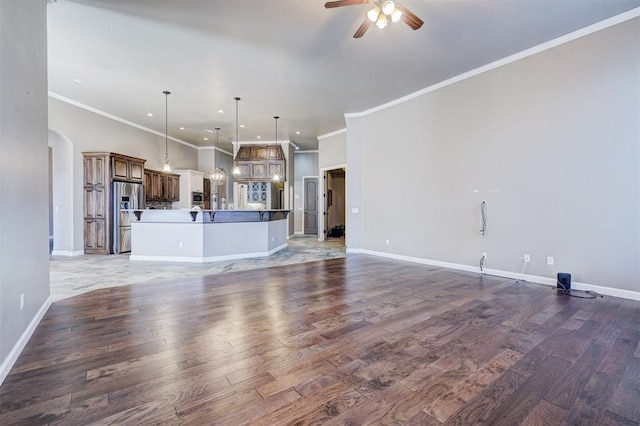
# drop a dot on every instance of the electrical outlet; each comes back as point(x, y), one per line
point(527, 258)
point(180, 244)
point(550, 260)
point(22, 301)
point(386, 241)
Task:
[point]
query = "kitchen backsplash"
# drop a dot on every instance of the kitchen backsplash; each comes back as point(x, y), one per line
point(159, 205)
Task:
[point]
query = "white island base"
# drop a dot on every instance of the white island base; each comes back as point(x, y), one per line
point(176, 236)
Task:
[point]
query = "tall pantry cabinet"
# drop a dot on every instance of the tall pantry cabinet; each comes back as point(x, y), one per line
point(100, 170)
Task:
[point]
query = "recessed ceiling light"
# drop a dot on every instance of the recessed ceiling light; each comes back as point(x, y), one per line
point(77, 81)
point(297, 133)
point(297, 147)
point(220, 111)
point(242, 126)
point(181, 128)
point(258, 137)
point(206, 139)
point(149, 114)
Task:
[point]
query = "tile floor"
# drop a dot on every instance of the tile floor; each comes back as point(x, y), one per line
point(70, 276)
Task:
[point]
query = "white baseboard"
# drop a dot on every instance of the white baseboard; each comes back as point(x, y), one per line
point(607, 291)
point(206, 259)
point(67, 253)
point(11, 359)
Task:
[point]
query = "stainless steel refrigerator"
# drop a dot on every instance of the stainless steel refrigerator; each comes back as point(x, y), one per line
point(126, 196)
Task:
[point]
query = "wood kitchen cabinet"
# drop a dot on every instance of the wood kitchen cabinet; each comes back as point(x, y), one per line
point(100, 170)
point(259, 163)
point(96, 203)
point(160, 186)
point(124, 168)
point(207, 193)
point(173, 187)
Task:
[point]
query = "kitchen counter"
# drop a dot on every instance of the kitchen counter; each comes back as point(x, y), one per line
point(206, 235)
point(207, 216)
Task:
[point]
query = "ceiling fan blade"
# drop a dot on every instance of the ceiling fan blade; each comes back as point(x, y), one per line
point(340, 3)
point(363, 28)
point(410, 18)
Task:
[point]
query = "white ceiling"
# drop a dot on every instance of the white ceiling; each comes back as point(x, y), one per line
point(291, 58)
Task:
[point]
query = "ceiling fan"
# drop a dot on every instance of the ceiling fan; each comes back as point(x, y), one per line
point(382, 12)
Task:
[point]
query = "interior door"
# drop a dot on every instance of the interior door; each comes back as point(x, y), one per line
point(311, 206)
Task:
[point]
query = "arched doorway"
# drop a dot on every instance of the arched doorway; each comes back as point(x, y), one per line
point(61, 194)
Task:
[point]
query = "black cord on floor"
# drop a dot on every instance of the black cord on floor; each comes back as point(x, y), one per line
point(588, 294)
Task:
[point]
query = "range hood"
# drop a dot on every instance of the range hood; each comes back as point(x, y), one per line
point(260, 163)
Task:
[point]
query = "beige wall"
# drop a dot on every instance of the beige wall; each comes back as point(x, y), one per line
point(332, 150)
point(24, 175)
point(550, 142)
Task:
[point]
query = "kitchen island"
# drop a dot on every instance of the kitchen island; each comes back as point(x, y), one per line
point(206, 235)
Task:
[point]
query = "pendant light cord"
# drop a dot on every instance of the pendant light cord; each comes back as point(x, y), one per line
point(236, 169)
point(215, 169)
point(237, 99)
point(166, 126)
point(276, 137)
point(276, 176)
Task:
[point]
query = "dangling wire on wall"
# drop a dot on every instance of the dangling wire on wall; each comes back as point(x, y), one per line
point(524, 266)
point(483, 213)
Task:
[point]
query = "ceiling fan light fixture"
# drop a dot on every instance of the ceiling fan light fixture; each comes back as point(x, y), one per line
point(388, 7)
point(373, 14)
point(380, 13)
point(396, 15)
point(382, 21)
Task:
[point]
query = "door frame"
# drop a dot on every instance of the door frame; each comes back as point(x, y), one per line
point(322, 201)
point(304, 200)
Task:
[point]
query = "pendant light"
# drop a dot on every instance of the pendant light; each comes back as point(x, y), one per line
point(167, 166)
point(276, 177)
point(218, 176)
point(236, 169)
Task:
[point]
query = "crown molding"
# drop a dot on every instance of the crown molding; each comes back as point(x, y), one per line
point(115, 118)
point(262, 142)
point(336, 133)
point(598, 26)
point(215, 148)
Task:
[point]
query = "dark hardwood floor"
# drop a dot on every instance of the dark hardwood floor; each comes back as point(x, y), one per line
point(344, 341)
